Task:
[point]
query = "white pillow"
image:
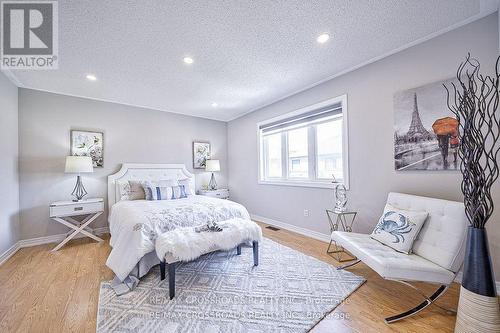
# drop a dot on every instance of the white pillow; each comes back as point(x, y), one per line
point(398, 228)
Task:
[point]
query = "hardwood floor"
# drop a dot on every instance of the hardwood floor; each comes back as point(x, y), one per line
point(43, 291)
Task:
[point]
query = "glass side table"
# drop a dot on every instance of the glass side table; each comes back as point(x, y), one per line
point(344, 221)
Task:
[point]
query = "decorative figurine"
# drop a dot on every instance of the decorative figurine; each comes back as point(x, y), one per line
point(340, 196)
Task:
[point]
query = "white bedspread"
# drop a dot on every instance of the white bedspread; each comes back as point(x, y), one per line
point(135, 225)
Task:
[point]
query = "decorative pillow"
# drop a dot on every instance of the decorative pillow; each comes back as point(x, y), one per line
point(179, 192)
point(136, 192)
point(398, 228)
point(157, 183)
point(124, 190)
point(186, 184)
point(131, 190)
point(157, 192)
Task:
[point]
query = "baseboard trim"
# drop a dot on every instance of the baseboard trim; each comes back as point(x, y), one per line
point(56, 238)
point(41, 241)
point(9, 253)
point(290, 227)
point(319, 236)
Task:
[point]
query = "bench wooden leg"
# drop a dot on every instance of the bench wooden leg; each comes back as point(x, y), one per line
point(171, 280)
point(238, 249)
point(255, 253)
point(162, 270)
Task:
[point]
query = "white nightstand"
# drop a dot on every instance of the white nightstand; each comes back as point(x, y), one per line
point(222, 193)
point(63, 212)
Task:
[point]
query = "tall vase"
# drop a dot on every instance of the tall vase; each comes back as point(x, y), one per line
point(478, 308)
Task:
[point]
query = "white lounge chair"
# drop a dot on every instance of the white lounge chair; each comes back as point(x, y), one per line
point(438, 251)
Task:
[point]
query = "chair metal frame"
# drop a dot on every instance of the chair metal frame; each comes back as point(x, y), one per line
point(428, 300)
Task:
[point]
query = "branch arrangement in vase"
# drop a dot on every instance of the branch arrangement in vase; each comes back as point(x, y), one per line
point(475, 103)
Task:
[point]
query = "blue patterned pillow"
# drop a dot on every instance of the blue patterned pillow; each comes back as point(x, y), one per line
point(162, 184)
point(186, 183)
point(179, 192)
point(157, 192)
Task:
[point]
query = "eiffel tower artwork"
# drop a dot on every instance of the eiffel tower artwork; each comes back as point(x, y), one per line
point(416, 143)
point(417, 131)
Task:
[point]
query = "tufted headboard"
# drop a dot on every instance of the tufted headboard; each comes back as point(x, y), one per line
point(132, 171)
point(442, 238)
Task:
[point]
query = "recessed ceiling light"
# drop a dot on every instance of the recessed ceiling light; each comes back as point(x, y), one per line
point(91, 77)
point(188, 60)
point(214, 105)
point(323, 38)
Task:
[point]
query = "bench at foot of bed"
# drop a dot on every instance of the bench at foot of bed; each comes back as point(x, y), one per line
point(171, 268)
point(173, 246)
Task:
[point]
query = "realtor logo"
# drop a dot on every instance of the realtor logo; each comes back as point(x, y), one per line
point(29, 35)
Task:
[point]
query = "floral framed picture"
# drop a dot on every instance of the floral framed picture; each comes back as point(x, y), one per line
point(201, 153)
point(85, 143)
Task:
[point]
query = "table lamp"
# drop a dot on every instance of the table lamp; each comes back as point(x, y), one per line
point(212, 166)
point(79, 164)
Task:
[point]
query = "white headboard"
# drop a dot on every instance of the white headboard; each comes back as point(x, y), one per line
point(133, 171)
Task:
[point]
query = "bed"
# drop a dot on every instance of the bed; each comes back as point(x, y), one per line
point(135, 224)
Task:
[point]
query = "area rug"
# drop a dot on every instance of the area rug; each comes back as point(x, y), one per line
point(223, 292)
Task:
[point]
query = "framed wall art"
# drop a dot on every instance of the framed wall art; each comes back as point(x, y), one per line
point(201, 153)
point(425, 130)
point(86, 143)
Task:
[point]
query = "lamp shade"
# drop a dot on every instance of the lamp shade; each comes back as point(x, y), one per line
point(78, 164)
point(212, 165)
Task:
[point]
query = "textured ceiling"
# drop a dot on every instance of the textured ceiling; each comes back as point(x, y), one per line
point(247, 54)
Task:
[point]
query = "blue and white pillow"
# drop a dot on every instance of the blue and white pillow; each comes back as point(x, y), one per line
point(179, 192)
point(164, 190)
point(398, 228)
point(186, 183)
point(158, 192)
point(151, 185)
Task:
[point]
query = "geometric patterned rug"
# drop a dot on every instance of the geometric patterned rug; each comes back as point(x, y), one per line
point(223, 292)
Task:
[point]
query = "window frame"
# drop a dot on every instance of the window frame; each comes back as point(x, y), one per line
point(312, 167)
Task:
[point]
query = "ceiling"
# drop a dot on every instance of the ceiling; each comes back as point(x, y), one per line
point(247, 54)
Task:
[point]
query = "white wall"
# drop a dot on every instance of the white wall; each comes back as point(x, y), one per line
point(131, 134)
point(9, 188)
point(370, 93)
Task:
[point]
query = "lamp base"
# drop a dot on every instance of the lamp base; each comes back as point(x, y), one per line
point(213, 184)
point(79, 191)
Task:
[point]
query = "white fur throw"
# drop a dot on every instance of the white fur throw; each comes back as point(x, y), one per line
point(185, 244)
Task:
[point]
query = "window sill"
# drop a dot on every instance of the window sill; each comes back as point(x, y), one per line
point(327, 185)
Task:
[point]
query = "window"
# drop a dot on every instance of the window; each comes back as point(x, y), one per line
point(329, 149)
point(272, 147)
point(297, 153)
point(305, 147)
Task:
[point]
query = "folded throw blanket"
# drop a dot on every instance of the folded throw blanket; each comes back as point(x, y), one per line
point(185, 244)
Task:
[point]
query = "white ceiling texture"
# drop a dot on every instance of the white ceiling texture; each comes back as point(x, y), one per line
point(246, 53)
